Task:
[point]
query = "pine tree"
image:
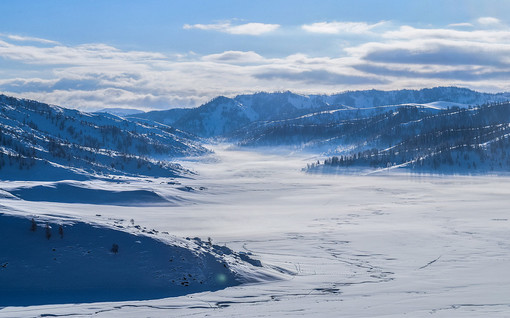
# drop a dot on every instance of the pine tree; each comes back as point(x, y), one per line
point(48, 231)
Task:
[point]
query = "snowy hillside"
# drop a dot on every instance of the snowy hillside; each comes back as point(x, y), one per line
point(280, 105)
point(225, 115)
point(474, 140)
point(325, 129)
point(217, 117)
point(64, 260)
point(222, 115)
point(44, 142)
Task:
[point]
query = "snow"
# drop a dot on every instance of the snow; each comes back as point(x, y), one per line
point(121, 112)
point(45, 142)
point(445, 105)
point(223, 116)
point(76, 194)
point(389, 245)
point(55, 259)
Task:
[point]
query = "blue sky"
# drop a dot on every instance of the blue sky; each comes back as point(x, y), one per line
point(164, 54)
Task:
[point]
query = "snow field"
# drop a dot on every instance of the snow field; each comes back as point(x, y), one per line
point(350, 246)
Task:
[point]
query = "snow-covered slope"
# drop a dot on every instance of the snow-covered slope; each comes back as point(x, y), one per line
point(217, 117)
point(324, 131)
point(457, 140)
point(44, 142)
point(271, 106)
point(64, 260)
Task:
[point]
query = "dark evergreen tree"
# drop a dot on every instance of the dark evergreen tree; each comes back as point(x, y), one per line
point(48, 231)
point(33, 226)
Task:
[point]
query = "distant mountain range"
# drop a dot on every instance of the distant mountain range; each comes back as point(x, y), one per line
point(224, 116)
point(438, 129)
point(415, 128)
point(44, 142)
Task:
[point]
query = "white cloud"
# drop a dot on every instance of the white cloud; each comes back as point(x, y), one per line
point(88, 54)
point(340, 27)
point(410, 33)
point(235, 57)
point(489, 21)
point(461, 25)
point(214, 27)
point(478, 58)
point(436, 52)
point(30, 39)
point(241, 29)
point(253, 28)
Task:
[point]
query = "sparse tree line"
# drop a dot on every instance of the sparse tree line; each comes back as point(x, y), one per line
point(47, 229)
point(48, 233)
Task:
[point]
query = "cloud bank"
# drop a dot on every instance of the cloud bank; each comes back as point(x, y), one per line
point(474, 54)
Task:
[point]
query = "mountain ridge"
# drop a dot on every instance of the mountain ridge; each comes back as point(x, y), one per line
point(46, 142)
point(219, 116)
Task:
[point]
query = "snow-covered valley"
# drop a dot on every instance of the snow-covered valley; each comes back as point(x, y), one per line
point(330, 245)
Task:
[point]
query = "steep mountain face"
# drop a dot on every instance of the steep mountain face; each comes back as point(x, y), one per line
point(273, 106)
point(44, 142)
point(217, 117)
point(224, 116)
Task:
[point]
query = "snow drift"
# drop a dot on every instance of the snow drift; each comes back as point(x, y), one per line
point(73, 193)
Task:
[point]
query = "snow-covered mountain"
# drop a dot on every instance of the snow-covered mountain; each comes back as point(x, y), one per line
point(474, 140)
point(326, 130)
point(223, 115)
point(121, 112)
point(280, 105)
point(45, 142)
point(217, 117)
